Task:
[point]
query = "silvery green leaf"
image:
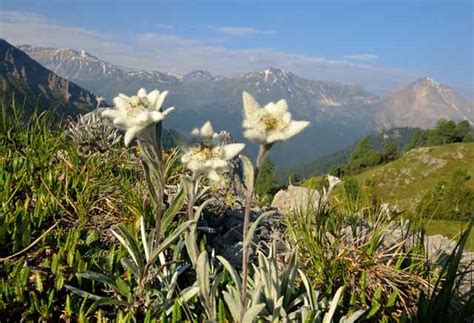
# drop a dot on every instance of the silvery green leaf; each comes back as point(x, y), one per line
point(252, 313)
point(254, 226)
point(144, 238)
point(189, 238)
point(202, 273)
point(98, 277)
point(82, 293)
point(172, 210)
point(350, 318)
point(312, 295)
point(172, 285)
point(127, 264)
point(332, 309)
point(168, 241)
point(234, 305)
point(133, 252)
point(231, 270)
point(185, 295)
point(248, 172)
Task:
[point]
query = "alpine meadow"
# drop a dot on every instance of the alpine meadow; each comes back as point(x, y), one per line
point(236, 161)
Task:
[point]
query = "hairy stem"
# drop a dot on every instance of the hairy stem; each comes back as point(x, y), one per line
point(190, 212)
point(158, 155)
point(262, 153)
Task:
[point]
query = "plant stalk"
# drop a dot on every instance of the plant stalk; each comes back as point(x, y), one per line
point(158, 154)
point(190, 213)
point(262, 153)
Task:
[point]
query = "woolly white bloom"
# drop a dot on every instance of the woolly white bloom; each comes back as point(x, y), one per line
point(333, 181)
point(269, 124)
point(207, 155)
point(135, 113)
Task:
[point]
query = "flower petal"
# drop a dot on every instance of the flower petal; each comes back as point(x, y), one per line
point(250, 104)
point(160, 100)
point(276, 136)
point(156, 116)
point(213, 176)
point(153, 97)
point(167, 111)
point(277, 109)
point(255, 136)
point(141, 92)
point(295, 127)
point(120, 102)
point(232, 150)
point(206, 130)
point(142, 118)
point(130, 134)
point(111, 113)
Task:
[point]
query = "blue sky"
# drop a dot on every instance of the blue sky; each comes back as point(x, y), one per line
point(379, 44)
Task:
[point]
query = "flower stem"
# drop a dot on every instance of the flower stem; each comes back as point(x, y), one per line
point(262, 153)
point(194, 253)
point(158, 154)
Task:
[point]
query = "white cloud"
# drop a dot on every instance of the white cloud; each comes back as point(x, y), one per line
point(171, 53)
point(362, 57)
point(242, 31)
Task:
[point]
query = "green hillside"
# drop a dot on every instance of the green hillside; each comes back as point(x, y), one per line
point(405, 181)
point(400, 137)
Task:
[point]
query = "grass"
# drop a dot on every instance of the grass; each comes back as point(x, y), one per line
point(405, 181)
point(60, 261)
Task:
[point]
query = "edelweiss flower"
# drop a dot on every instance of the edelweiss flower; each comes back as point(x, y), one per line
point(269, 124)
point(207, 155)
point(135, 113)
point(333, 181)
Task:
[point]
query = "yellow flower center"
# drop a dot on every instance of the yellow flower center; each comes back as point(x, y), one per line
point(270, 123)
point(136, 102)
point(203, 153)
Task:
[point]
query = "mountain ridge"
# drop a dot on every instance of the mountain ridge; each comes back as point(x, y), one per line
point(24, 79)
point(340, 114)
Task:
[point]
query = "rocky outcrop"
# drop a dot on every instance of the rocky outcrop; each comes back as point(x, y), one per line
point(295, 198)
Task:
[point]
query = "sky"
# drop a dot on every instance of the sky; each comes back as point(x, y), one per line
point(380, 44)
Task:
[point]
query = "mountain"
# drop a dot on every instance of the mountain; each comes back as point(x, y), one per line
point(339, 114)
point(28, 80)
point(94, 74)
point(421, 104)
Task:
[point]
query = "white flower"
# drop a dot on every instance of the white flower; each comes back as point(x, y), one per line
point(333, 181)
point(269, 124)
point(207, 155)
point(135, 113)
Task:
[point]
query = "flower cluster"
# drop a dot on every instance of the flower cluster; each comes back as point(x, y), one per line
point(207, 154)
point(135, 113)
point(269, 124)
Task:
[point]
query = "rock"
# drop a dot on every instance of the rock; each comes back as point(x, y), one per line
point(295, 198)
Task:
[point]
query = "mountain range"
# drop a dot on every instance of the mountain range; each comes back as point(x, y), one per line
point(340, 114)
point(30, 82)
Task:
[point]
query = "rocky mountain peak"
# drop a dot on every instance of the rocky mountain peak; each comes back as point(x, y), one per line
point(198, 75)
point(24, 78)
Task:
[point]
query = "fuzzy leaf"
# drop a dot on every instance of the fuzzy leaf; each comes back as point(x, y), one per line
point(231, 270)
point(252, 313)
point(254, 226)
point(248, 172)
point(332, 309)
